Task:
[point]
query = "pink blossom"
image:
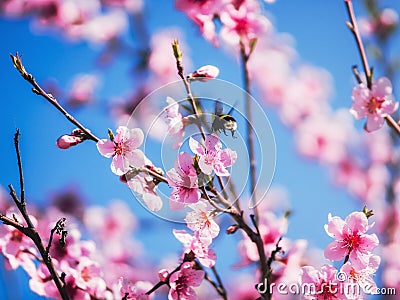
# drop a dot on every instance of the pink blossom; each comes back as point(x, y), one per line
point(104, 27)
point(389, 17)
point(88, 277)
point(324, 282)
point(374, 104)
point(16, 247)
point(202, 14)
point(350, 239)
point(145, 186)
point(201, 220)
point(205, 73)
point(74, 249)
point(123, 150)
point(162, 66)
point(183, 179)
point(363, 276)
point(198, 245)
point(175, 123)
point(212, 157)
point(243, 23)
point(114, 221)
point(135, 291)
point(271, 229)
point(182, 281)
point(82, 89)
point(325, 137)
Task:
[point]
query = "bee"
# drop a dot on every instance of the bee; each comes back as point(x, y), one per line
point(223, 122)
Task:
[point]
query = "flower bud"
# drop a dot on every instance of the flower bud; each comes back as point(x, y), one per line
point(66, 141)
point(163, 275)
point(205, 73)
point(232, 229)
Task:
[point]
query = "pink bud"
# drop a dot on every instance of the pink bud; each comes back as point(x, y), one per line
point(232, 229)
point(66, 141)
point(205, 73)
point(163, 275)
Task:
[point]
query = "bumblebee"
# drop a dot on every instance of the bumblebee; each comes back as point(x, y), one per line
point(223, 122)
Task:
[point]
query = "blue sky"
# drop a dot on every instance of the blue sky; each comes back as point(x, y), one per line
point(321, 38)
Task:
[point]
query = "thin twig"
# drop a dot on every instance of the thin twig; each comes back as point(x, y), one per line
point(21, 174)
point(217, 285)
point(356, 33)
point(37, 89)
point(249, 127)
point(218, 278)
point(30, 230)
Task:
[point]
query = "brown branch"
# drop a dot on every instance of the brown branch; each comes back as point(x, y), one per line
point(249, 126)
point(37, 89)
point(30, 230)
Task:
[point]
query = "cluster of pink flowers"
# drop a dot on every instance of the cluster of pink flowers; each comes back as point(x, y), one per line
point(93, 270)
point(353, 245)
point(241, 21)
point(76, 19)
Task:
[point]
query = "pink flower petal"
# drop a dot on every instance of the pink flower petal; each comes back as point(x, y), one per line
point(106, 148)
point(204, 167)
point(135, 158)
point(382, 87)
point(335, 251)
point(374, 122)
point(119, 165)
point(196, 147)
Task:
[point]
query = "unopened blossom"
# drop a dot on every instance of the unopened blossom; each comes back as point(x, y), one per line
point(374, 104)
point(205, 73)
point(363, 276)
point(212, 157)
point(325, 283)
point(183, 179)
point(198, 245)
point(174, 120)
point(66, 141)
point(182, 281)
point(350, 239)
point(201, 220)
point(123, 149)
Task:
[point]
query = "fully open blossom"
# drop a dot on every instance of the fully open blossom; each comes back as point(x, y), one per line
point(182, 281)
point(243, 23)
point(204, 73)
point(183, 179)
point(212, 157)
point(123, 149)
point(374, 104)
point(350, 239)
point(201, 220)
point(174, 121)
point(135, 291)
point(324, 282)
point(363, 277)
point(198, 245)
